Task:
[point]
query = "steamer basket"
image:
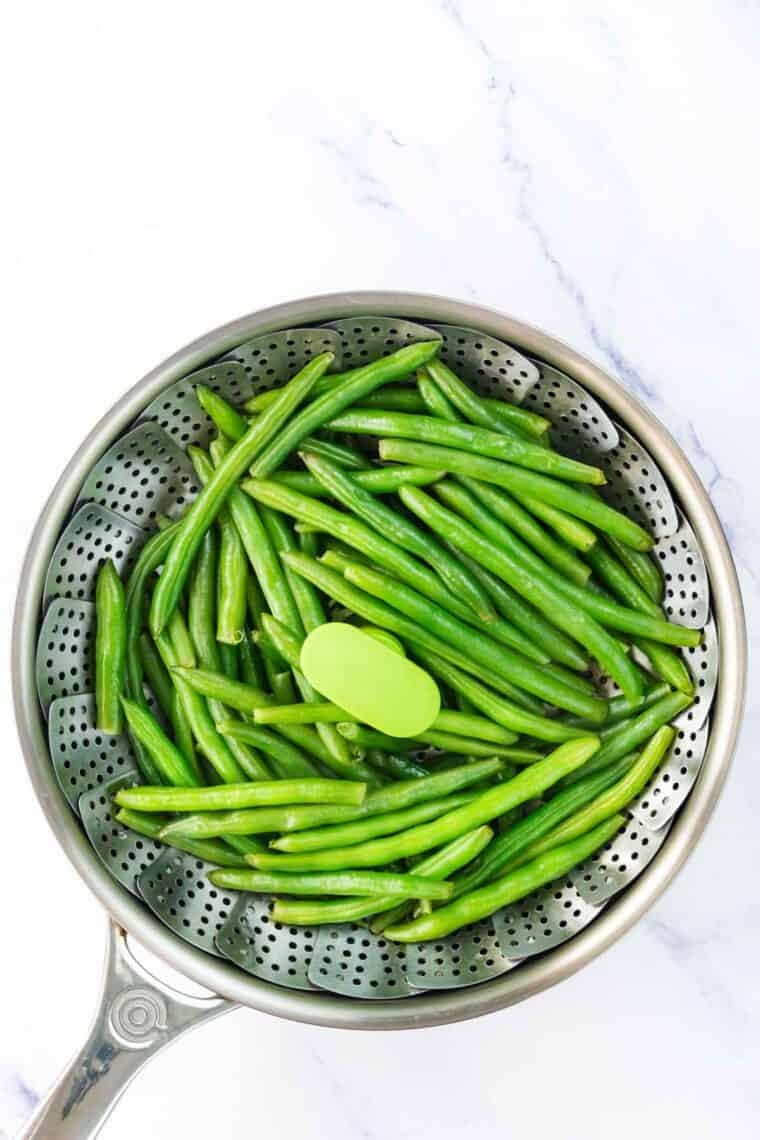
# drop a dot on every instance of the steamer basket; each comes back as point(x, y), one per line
point(132, 466)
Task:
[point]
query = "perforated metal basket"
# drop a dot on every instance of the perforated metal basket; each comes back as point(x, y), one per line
point(134, 466)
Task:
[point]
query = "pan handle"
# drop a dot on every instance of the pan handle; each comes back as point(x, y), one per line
point(138, 1016)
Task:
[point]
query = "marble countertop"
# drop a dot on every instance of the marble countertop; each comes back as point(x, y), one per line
point(588, 168)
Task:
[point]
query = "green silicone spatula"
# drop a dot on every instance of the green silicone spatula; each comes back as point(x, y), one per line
point(369, 679)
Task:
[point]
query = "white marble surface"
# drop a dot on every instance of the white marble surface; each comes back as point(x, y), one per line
point(591, 168)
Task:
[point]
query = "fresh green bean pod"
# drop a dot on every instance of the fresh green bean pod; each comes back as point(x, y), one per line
point(520, 482)
point(469, 440)
point(521, 834)
point(391, 396)
point(320, 712)
point(526, 785)
point(367, 738)
point(538, 591)
point(378, 480)
point(479, 411)
point(346, 392)
point(208, 849)
point(613, 799)
point(164, 753)
point(230, 797)
point(620, 708)
point(156, 675)
point(150, 558)
point(395, 767)
point(628, 735)
point(263, 820)
point(367, 607)
point(250, 670)
point(438, 866)
point(575, 533)
point(493, 705)
point(516, 669)
point(641, 567)
point(506, 508)
point(500, 629)
point(596, 603)
point(176, 646)
point(286, 757)
point(232, 424)
point(665, 662)
point(360, 883)
point(530, 621)
point(110, 648)
point(515, 885)
point(403, 533)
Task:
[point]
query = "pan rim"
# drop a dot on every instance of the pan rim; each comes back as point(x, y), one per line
point(533, 975)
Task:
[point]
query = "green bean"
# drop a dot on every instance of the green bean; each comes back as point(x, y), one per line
point(203, 510)
point(150, 558)
point(437, 866)
point(664, 661)
point(500, 629)
point(380, 883)
point(515, 668)
point(164, 753)
point(641, 567)
point(323, 712)
point(519, 836)
point(478, 441)
point(226, 797)
point(576, 534)
point(245, 698)
point(630, 734)
point(346, 392)
point(468, 724)
point(474, 408)
point(202, 622)
point(208, 849)
point(528, 619)
point(519, 481)
point(599, 606)
point(552, 603)
point(529, 423)
point(396, 767)
point(610, 801)
point(249, 668)
point(494, 706)
point(242, 821)
point(183, 733)
point(403, 533)
point(156, 675)
point(110, 647)
point(507, 508)
point(516, 885)
point(359, 536)
point(228, 659)
point(232, 574)
point(399, 399)
point(526, 785)
point(232, 424)
point(363, 737)
point(209, 741)
point(262, 820)
point(620, 708)
point(501, 504)
point(287, 758)
point(378, 481)
point(365, 606)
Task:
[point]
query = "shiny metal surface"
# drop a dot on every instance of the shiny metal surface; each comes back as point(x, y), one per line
point(516, 984)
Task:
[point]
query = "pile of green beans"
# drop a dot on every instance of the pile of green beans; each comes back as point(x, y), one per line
point(446, 525)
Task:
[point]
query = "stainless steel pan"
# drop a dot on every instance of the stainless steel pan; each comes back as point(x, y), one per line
point(138, 1014)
